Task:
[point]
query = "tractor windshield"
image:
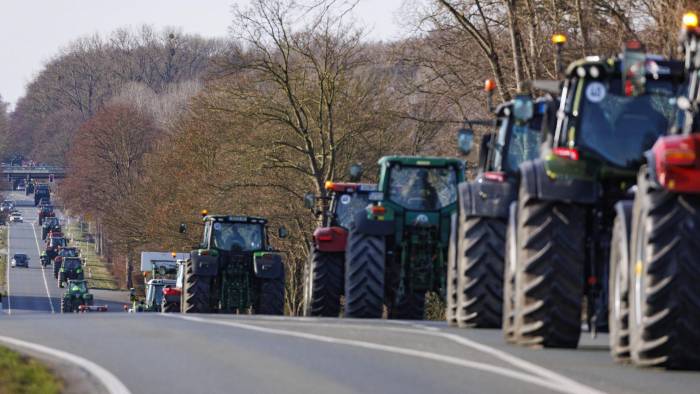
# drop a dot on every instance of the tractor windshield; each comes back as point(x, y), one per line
point(67, 252)
point(347, 205)
point(423, 188)
point(237, 236)
point(71, 264)
point(620, 128)
point(78, 287)
point(521, 141)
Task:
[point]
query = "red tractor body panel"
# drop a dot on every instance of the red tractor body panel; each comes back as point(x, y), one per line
point(331, 239)
point(678, 163)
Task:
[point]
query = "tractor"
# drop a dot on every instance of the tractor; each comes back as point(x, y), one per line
point(653, 286)
point(58, 259)
point(54, 242)
point(41, 192)
point(76, 296)
point(172, 294)
point(324, 275)
point(397, 246)
point(45, 212)
point(610, 112)
point(234, 269)
point(48, 225)
point(475, 275)
point(71, 268)
point(159, 271)
point(30, 188)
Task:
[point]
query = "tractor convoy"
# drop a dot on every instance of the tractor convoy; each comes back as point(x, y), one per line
point(583, 215)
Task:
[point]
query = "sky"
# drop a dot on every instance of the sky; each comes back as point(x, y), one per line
point(32, 31)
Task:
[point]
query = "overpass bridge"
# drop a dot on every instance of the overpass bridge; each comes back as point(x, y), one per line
point(14, 174)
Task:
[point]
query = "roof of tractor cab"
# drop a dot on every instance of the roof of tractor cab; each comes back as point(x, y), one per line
point(164, 282)
point(614, 64)
point(422, 161)
point(350, 187)
point(235, 219)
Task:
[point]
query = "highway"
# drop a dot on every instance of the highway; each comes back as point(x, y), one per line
point(156, 353)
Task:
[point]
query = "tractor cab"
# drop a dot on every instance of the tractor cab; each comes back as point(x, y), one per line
point(77, 297)
point(611, 112)
point(234, 233)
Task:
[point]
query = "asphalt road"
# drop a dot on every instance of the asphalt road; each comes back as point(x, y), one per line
point(155, 353)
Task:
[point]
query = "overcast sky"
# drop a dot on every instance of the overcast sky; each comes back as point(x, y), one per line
point(32, 31)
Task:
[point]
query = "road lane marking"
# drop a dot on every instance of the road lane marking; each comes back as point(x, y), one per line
point(559, 386)
point(7, 277)
point(43, 271)
point(106, 378)
point(429, 331)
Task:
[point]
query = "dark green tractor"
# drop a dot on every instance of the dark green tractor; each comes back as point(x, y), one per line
point(71, 269)
point(475, 273)
point(397, 247)
point(234, 269)
point(76, 295)
point(611, 111)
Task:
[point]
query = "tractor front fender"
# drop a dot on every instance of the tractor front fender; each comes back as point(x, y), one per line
point(365, 225)
point(487, 198)
point(205, 265)
point(268, 266)
point(536, 182)
point(331, 239)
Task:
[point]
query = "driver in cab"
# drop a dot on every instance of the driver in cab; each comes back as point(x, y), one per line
point(419, 192)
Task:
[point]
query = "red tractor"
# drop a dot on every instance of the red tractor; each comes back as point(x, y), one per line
point(324, 275)
point(46, 211)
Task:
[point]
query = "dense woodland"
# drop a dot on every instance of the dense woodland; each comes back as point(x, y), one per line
point(156, 125)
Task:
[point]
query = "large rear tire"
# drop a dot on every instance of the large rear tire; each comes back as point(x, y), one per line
point(551, 257)
point(451, 302)
point(197, 292)
point(618, 291)
point(510, 331)
point(364, 275)
point(271, 297)
point(324, 283)
point(664, 295)
point(480, 272)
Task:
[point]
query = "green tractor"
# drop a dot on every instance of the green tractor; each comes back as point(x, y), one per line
point(475, 272)
point(611, 111)
point(234, 269)
point(76, 297)
point(397, 247)
point(71, 269)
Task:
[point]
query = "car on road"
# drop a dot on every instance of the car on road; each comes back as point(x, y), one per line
point(7, 206)
point(16, 217)
point(20, 260)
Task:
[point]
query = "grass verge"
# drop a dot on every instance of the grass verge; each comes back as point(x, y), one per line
point(97, 272)
point(23, 375)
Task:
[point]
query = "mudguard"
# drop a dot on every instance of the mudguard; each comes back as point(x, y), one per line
point(487, 198)
point(537, 183)
point(268, 266)
point(364, 225)
point(206, 265)
point(330, 239)
point(623, 210)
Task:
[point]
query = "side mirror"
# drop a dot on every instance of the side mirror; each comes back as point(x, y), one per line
point(355, 172)
point(309, 200)
point(523, 108)
point(282, 232)
point(465, 140)
point(183, 228)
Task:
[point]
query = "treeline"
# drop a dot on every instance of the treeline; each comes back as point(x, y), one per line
point(155, 126)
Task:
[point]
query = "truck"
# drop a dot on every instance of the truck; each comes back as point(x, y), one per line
point(159, 270)
point(42, 193)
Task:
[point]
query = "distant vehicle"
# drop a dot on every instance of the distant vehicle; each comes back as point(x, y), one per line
point(42, 192)
point(58, 260)
point(20, 260)
point(50, 224)
point(71, 269)
point(16, 217)
point(7, 206)
point(20, 187)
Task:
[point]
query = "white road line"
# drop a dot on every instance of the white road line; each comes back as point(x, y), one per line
point(7, 277)
point(106, 378)
point(43, 271)
point(509, 373)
